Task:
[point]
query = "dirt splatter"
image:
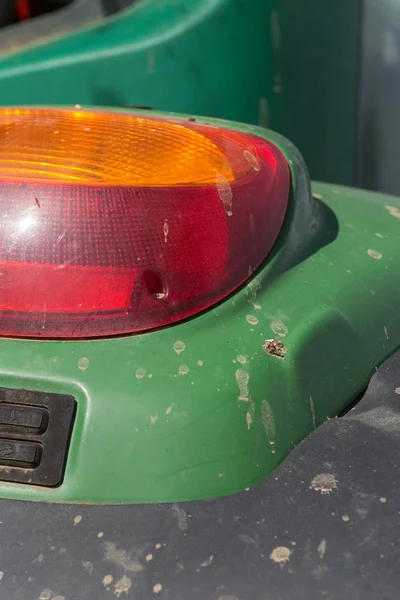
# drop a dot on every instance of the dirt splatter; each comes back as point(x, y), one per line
point(279, 328)
point(46, 594)
point(169, 409)
point(242, 380)
point(252, 320)
point(275, 348)
point(120, 557)
point(183, 370)
point(207, 562)
point(107, 580)
point(322, 549)
point(122, 586)
point(374, 254)
point(166, 231)
point(252, 160)
point(179, 346)
point(225, 193)
point(268, 420)
point(280, 555)
point(181, 517)
point(317, 196)
point(241, 359)
point(249, 420)
point(140, 373)
point(379, 235)
point(312, 409)
point(153, 419)
point(397, 391)
point(393, 211)
point(386, 332)
point(83, 363)
point(58, 597)
point(324, 483)
point(157, 588)
point(77, 520)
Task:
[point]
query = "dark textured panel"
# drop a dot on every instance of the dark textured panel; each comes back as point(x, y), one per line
point(325, 525)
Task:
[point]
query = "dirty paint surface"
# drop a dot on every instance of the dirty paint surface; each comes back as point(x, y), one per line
point(219, 413)
point(170, 55)
point(280, 540)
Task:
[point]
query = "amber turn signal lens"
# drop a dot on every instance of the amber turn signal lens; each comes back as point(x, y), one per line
point(74, 146)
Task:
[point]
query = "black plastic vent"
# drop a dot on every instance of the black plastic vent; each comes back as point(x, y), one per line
point(35, 430)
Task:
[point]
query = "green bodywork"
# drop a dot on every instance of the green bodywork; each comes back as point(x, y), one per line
point(291, 65)
point(210, 57)
point(199, 409)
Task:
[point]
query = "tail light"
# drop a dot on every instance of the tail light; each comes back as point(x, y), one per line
point(114, 223)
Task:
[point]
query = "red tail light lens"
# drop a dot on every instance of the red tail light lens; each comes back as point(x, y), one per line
point(113, 223)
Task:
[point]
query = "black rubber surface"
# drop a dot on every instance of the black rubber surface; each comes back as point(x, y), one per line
point(325, 525)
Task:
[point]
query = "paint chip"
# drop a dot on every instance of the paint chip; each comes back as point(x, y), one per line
point(241, 359)
point(100, 534)
point(169, 409)
point(383, 500)
point(149, 557)
point(275, 348)
point(183, 370)
point(77, 519)
point(157, 588)
point(200, 363)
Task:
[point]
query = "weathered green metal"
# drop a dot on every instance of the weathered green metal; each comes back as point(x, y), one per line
point(291, 65)
point(199, 409)
point(316, 78)
point(211, 57)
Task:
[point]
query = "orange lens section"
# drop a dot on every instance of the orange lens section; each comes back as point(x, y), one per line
point(115, 148)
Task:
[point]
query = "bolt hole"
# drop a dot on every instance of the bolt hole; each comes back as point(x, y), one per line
point(154, 284)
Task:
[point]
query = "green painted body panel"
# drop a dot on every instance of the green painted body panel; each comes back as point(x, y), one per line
point(199, 409)
point(291, 65)
point(210, 57)
point(316, 78)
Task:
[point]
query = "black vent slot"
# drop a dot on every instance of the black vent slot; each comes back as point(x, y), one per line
point(35, 430)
